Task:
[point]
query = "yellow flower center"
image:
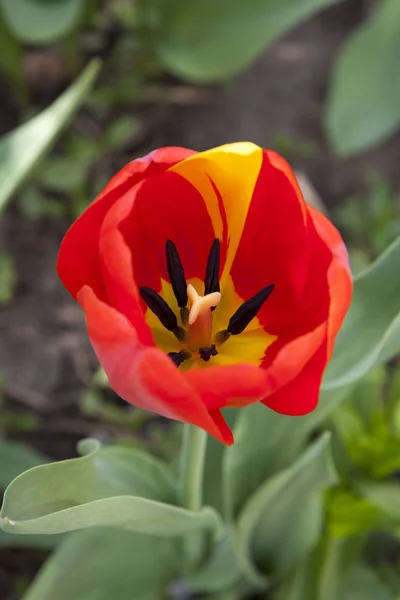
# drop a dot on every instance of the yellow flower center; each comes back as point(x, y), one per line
point(231, 333)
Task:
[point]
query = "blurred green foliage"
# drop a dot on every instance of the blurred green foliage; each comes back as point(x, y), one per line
point(370, 221)
point(8, 277)
point(213, 41)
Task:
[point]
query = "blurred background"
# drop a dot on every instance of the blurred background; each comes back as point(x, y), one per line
point(316, 80)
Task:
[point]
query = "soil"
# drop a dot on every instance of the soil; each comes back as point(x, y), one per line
point(45, 357)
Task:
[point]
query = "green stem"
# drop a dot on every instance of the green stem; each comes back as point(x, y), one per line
point(191, 490)
point(192, 467)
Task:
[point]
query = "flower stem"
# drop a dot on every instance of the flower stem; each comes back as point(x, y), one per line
point(192, 467)
point(191, 489)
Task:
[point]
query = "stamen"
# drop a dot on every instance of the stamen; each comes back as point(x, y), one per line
point(161, 309)
point(185, 315)
point(179, 357)
point(207, 353)
point(248, 310)
point(176, 274)
point(222, 336)
point(211, 282)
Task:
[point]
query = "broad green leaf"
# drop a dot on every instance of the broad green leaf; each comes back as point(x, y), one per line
point(265, 442)
point(103, 563)
point(371, 332)
point(282, 521)
point(118, 487)
point(45, 542)
point(42, 21)
point(213, 40)
point(220, 572)
point(364, 102)
point(21, 149)
point(16, 458)
point(130, 513)
point(101, 473)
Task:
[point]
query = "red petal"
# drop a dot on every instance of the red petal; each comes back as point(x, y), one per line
point(274, 247)
point(78, 260)
point(300, 396)
point(231, 385)
point(167, 207)
point(340, 281)
point(291, 357)
point(325, 301)
point(223, 426)
point(144, 376)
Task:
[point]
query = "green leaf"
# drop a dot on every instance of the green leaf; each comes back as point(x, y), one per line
point(45, 542)
point(16, 458)
point(265, 442)
point(130, 513)
point(98, 489)
point(42, 21)
point(21, 149)
point(283, 519)
point(213, 40)
point(102, 563)
point(371, 332)
point(220, 572)
point(102, 472)
point(364, 102)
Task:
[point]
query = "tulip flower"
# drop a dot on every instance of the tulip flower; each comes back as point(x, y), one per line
point(207, 282)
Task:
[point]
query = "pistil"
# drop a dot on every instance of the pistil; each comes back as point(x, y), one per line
point(200, 318)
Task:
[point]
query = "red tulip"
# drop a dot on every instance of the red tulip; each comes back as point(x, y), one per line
point(207, 282)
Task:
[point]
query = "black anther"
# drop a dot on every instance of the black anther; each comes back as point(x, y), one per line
point(208, 352)
point(179, 357)
point(211, 282)
point(160, 308)
point(248, 310)
point(176, 274)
